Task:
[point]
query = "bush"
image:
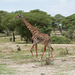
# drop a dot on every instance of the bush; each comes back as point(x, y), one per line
point(63, 52)
point(10, 39)
point(60, 40)
point(19, 49)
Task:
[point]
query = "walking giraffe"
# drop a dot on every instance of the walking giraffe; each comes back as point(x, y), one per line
point(37, 37)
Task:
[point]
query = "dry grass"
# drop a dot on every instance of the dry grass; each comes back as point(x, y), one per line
point(23, 64)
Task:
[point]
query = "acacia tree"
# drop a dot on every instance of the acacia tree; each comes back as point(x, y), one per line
point(41, 20)
point(54, 24)
point(21, 28)
point(2, 27)
point(68, 25)
point(38, 19)
point(9, 22)
point(58, 20)
point(12, 28)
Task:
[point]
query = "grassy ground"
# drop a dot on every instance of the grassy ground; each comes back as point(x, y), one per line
point(5, 70)
point(14, 62)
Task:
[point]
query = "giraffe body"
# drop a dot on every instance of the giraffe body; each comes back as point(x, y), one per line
point(37, 37)
point(40, 37)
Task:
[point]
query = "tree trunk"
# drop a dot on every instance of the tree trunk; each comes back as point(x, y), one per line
point(60, 29)
point(7, 33)
point(13, 37)
point(21, 39)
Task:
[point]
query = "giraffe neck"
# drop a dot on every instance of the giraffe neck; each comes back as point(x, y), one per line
point(29, 26)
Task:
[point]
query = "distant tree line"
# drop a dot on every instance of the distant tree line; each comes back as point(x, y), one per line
point(39, 19)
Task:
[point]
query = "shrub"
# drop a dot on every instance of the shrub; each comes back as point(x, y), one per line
point(63, 52)
point(60, 40)
point(19, 49)
point(10, 38)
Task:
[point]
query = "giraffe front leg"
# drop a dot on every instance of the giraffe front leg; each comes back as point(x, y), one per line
point(36, 51)
point(31, 50)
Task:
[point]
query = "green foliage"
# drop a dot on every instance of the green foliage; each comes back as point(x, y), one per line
point(69, 33)
point(39, 19)
point(68, 24)
point(9, 21)
point(10, 38)
point(60, 40)
point(59, 18)
point(36, 18)
point(42, 74)
point(47, 30)
point(18, 49)
point(48, 61)
point(22, 30)
point(2, 27)
point(63, 52)
point(5, 70)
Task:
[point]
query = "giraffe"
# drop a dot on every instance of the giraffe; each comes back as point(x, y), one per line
point(37, 36)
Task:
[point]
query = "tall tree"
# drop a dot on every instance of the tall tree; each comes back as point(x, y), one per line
point(38, 19)
point(59, 19)
point(9, 21)
point(68, 24)
point(41, 20)
point(2, 27)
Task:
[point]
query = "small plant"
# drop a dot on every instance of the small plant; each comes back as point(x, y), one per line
point(19, 49)
point(10, 38)
point(48, 61)
point(64, 60)
point(63, 52)
point(42, 73)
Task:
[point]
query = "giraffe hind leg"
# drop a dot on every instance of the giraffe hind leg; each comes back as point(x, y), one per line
point(45, 44)
point(51, 49)
point(36, 50)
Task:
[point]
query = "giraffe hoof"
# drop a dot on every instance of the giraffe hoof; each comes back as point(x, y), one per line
point(34, 58)
point(39, 59)
point(52, 60)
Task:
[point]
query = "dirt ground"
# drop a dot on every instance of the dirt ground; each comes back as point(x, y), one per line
point(60, 66)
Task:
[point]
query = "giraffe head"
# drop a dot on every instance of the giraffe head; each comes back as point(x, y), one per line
point(19, 16)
